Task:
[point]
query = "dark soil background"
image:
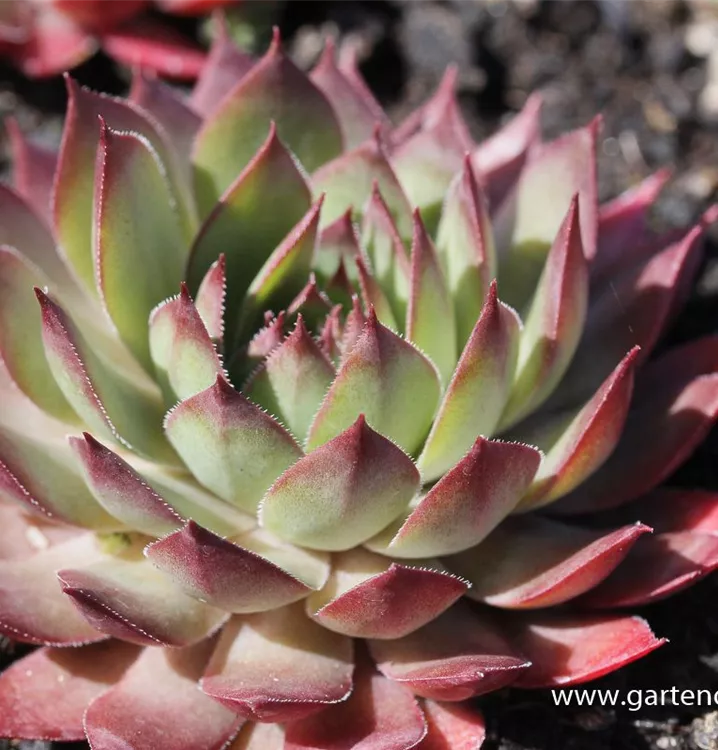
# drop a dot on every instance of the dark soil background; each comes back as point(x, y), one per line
point(646, 65)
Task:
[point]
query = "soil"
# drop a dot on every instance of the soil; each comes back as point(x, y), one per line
point(645, 66)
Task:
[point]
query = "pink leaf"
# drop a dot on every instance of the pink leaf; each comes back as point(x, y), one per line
point(657, 567)
point(457, 656)
point(274, 90)
point(452, 727)
point(675, 404)
point(369, 596)
point(279, 666)
point(341, 493)
point(22, 535)
point(211, 299)
point(379, 715)
point(44, 695)
point(530, 562)
point(465, 504)
point(570, 649)
point(156, 704)
point(155, 47)
point(225, 575)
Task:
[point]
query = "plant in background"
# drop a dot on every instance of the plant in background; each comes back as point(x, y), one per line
point(46, 37)
point(339, 397)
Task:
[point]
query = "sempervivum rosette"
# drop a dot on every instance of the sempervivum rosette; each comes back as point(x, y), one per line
point(338, 396)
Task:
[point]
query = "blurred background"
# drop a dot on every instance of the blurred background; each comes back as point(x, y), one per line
point(651, 68)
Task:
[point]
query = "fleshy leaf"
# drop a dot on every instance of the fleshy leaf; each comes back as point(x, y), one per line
point(668, 509)
point(211, 297)
point(623, 226)
point(426, 162)
point(356, 114)
point(337, 242)
point(128, 598)
point(368, 596)
point(39, 477)
point(157, 704)
point(579, 441)
point(223, 574)
point(136, 226)
point(499, 160)
point(255, 736)
point(105, 399)
point(230, 445)
point(458, 655)
point(452, 727)
point(33, 608)
point(378, 715)
point(530, 562)
point(348, 180)
point(373, 296)
point(279, 666)
point(657, 567)
point(477, 393)
point(23, 534)
point(465, 244)
point(21, 345)
point(156, 47)
point(632, 310)
point(45, 694)
point(571, 649)
point(239, 227)
point(531, 218)
point(389, 263)
point(388, 380)
point(342, 493)
point(674, 406)
point(224, 67)
point(74, 184)
point(33, 169)
point(284, 273)
point(430, 322)
point(182, 351)
point(292, 382)
point(554, 322)
point(121, 491)
point(273, 90)
point(466, 504)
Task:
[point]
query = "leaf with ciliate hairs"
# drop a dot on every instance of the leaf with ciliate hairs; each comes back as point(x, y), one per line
point(231, 446)
point(274, 90)
point(46, 693)
point(554, 322)
point(136, 227)
point(243, 231)
point(388, 380)
point(126, 597)
point(211, 299)
point(466, 504)
point(531, 562)
point(460, 654)
point(355, 112)
point(466, 249)
point(156, 704)
point(75, 183)
point(124, 411)
point(182, 351)
point(567, 649)
point(341, 493)
point(477, 392)
point(430, 322)
point(531, 217)
point(222, 573)
point(371, 596)
point(293, 380)
point(279, 666)
point(21, 345)
point(348, 181)
point(378, 715)
point(452, 726)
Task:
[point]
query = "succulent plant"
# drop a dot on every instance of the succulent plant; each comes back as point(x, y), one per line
point(352, 421)
point(46, 37)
